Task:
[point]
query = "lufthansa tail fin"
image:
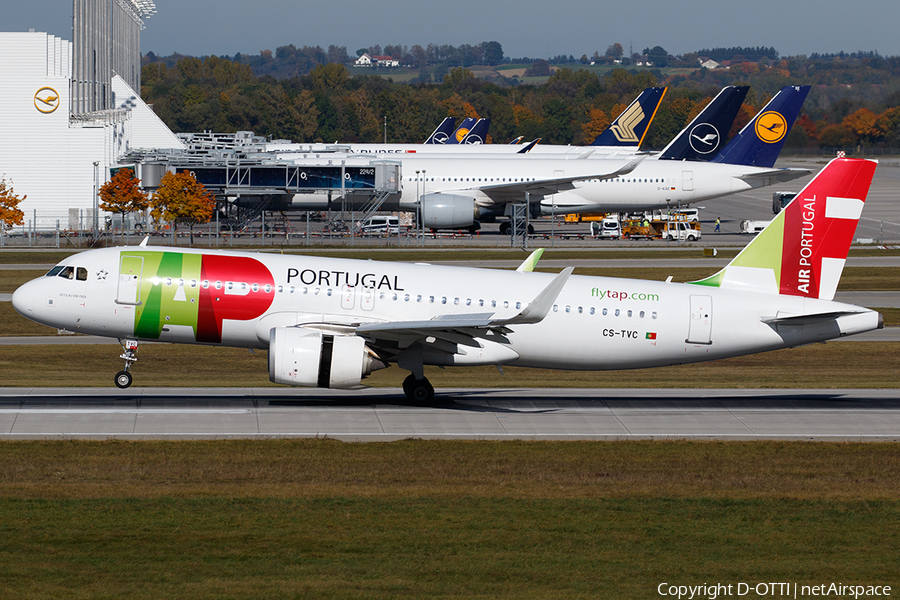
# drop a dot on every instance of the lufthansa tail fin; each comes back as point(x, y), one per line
point(629, 128)
point(462, 131)
point(760, 141)
point(709, 130)
point(478, 133)
point(803, 250)
point(443, 131)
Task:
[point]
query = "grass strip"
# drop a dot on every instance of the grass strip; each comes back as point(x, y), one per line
point(427, 519)
point(830, 365)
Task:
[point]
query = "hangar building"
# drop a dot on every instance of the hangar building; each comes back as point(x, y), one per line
point(70, 109)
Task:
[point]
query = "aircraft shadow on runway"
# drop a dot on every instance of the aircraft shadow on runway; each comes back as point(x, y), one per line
point(497, 401)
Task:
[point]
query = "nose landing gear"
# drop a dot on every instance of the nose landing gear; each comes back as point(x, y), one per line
point(123, 378)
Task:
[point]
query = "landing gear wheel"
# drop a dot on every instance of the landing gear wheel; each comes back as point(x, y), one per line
point(505, 228)
point(418, 390)
point(123, 379)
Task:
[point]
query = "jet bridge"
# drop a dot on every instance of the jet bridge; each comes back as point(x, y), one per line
point(248, 183)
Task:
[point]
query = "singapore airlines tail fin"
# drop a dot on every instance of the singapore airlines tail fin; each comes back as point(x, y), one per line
point(760, 141)
point(709, 130)
point(629, 128)
point(442, 133)
point(803, 250)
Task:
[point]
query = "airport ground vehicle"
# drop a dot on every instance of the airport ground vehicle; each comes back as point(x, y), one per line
point(608, 228)
point(780, 200)
point(380, 225)
point(582, 217)
point(642, 227)
point(753, 226)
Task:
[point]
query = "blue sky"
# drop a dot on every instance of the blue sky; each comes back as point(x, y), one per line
point(534, 28)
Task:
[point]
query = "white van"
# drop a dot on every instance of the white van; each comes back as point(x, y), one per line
point(380, 225)
point(608, 228)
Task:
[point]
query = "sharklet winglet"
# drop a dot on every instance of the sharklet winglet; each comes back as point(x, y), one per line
point(531, 262)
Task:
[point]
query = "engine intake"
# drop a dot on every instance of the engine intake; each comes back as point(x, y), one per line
point(310, 358)
point(448, 211)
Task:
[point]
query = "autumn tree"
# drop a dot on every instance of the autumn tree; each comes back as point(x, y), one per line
point(122, 194)
point(10, 214)
point(182, 199)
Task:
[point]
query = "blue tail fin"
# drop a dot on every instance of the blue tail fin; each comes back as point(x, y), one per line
point(478, 133)
point(442, 133)
point(760, 141)
point(462, 131)
point(629, 128)
point(709, 130)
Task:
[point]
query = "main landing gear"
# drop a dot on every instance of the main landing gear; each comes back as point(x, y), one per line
point(123, 378)
point(418, 390)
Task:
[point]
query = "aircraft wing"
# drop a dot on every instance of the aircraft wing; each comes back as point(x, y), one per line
point(508, 192)
point(463, 328)
point(764, 178)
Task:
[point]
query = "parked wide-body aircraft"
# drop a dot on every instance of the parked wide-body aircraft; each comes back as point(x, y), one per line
point(625, 134)
point(330, 322)
point(456, 191)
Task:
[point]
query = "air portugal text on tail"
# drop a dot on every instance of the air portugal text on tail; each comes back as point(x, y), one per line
point(819, 229)
point(330, 322)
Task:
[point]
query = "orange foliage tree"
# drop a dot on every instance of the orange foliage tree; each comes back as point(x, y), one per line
point(10, 214)
point(182, 199)
point(597, 123)
point(122, 194)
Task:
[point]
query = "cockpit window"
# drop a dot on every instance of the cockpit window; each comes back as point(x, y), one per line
point(81, 274)
point(54, 271)
point(67, 272)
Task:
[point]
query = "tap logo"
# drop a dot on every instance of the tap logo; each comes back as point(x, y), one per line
point(771, 127)
point(627, 122)
point(46, 100)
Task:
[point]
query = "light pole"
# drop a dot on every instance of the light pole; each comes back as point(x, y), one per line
point(420, 207)
point(96, 220)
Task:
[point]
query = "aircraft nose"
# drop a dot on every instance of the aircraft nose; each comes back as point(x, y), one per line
point(23, 299)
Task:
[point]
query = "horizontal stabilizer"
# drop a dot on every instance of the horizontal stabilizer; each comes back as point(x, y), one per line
point(807, 319)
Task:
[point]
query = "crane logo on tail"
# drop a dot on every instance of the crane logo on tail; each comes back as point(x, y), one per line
point(771, 127)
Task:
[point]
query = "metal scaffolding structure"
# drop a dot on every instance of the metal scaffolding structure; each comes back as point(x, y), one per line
point(107, 40)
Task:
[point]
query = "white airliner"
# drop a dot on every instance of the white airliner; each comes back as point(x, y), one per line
point(330, 322)
point(456, 192)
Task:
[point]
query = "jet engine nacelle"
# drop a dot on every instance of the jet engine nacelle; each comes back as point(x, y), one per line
point(311, 358)
point(448, 211)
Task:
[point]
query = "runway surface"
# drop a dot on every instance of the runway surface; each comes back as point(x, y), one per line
point(384, 414)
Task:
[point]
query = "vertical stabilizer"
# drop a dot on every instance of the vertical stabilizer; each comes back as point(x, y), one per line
point(462, 131)
point(479, 132)
point(443, 131)
point(708, 132)
point(629, 128)
point(760, 141)
point(803, 250)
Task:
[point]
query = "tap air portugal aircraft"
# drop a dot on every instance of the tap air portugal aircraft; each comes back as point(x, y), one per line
point(329, 322)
